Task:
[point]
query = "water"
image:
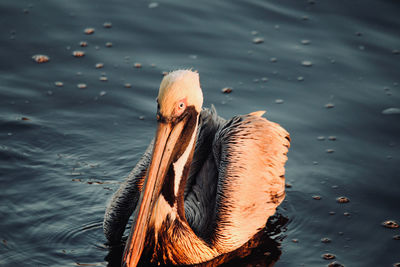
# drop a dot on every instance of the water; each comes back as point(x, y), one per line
point(322, 69)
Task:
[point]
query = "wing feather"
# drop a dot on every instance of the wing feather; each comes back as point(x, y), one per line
point(250, 153)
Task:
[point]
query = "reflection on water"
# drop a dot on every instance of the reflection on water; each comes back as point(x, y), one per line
point(71, 128)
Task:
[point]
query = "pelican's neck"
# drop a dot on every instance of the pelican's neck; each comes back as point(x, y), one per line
point(171, 200)
point(174, 240)
point(182, 165)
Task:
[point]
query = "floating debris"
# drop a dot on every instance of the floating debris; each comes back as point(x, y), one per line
point(390, 224)
point(226, 90)
point(153, 5)
point(127, 85)
point(102, 93)
point(109, 44)
point(329, 105)
point(49, 93)
point(316, 197)
point(59, 84)
point(391, 111)
point(137, 65)
point(82, 85)
point(358, 33)
point(99, 65)
point(335, 264)
point(103, 79)
point(83, 44)
point(279, 101)
point(306, 63)
point(325, 240)
point(87, 264)
point(300, 78)
point(343, 199)
point(78, 53)
point(41, 58)
point(258, 40)
point(305, 18)
point(328, 256)
point(305, 42)
point(107, 25)
point(329, 150)
point(89, 31)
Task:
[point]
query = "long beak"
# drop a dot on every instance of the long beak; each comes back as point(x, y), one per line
point(166, 139)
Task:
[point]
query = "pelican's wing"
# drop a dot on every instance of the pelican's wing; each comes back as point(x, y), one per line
point(124, 201)
point(250, 153)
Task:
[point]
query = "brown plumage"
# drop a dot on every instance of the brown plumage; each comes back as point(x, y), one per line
point(204, 187)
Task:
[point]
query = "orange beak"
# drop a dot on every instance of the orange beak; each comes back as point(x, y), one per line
point(167, 137)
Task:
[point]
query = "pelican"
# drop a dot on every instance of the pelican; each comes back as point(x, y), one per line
point(204, 186)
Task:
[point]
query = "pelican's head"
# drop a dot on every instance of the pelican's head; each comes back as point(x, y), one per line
point(178, 91)
point(179, 101)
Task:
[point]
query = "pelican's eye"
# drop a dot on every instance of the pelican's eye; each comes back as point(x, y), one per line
point(180, 107)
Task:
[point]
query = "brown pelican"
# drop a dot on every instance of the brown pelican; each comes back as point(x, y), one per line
point(204, 186)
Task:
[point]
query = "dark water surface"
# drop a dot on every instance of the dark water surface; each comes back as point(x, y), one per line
point(65, 150)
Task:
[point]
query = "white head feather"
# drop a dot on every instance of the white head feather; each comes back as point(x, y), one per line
point(179, 85)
